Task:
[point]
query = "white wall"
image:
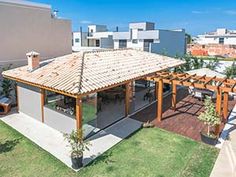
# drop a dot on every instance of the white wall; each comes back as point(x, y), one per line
point(83, 42)
point(171, 43)
point(137, 46)
point(25, 28)
point(230, 40)
point(29, 101)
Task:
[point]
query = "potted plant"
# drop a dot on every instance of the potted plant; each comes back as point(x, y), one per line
point(78, 146)
point(210, 118)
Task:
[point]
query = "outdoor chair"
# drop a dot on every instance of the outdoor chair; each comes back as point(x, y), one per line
point(5, 105)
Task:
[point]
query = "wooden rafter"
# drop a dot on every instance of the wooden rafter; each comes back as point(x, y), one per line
point(203, 82)
point(226, 85)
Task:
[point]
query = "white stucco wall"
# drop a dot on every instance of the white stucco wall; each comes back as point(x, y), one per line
point(29, 101)
point(24, 28)
point(230, 40)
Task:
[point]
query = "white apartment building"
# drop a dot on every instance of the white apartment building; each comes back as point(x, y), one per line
point(26, 26)
point(97, 37)
point(144, 36)
point(220, 36)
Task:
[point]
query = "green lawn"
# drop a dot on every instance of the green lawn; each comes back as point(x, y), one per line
point(149, 152)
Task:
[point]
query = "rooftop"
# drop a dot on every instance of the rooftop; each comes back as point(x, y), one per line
point(85, 72)
point(26, 3)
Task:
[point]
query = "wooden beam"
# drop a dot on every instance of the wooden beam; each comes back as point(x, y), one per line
point(232, 87)
point(78, 113)
point(221, 82)
point(42, 93)
point(174, 95)
point(209, 80)
point(187, 78)
point(225, 105)
point(127, 98)
point(159, 100)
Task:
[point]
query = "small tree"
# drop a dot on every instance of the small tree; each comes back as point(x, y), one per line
point(6, 84)
point(230, 71)
point(209, 116)
point(78, 145)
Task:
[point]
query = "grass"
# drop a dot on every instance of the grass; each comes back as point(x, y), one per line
point(149, 152)
point(219, 58)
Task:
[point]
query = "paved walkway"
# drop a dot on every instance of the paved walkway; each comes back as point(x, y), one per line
point(53, 141)
point(226, 161)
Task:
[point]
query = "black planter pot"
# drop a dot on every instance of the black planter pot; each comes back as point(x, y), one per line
point(208, 140)
point(77, 162)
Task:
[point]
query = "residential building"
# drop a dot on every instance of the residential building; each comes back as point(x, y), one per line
point(220, 36)
point(97, 37)
point(143, 36)
point(221, 43)
point(25, 26)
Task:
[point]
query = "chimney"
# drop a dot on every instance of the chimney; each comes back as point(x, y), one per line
point(33, 60)
point(117, 29)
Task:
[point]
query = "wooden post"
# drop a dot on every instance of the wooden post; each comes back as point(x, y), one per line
point(225, 105)
point(218, 109)
point(174, 94)
point(78, 113)
point(159, 100)
point(17, 97)
point(42, 92)
point(127, 98)
point(218, 101)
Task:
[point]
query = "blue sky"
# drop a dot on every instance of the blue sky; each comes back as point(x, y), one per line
point(196, 16)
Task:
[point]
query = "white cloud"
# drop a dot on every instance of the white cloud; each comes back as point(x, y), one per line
point(199, 12)
point(230, 12)
point(85, 22)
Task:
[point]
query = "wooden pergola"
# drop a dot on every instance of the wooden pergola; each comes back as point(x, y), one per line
point(222, 87)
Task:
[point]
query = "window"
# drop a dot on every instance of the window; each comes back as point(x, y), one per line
point(221, 40)
point(97, 43)
point(134, 41)
point(60, 103)
point(77, 40)
point(122, 44)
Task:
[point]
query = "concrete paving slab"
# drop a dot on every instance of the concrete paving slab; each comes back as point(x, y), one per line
point(225, 164)
point(53, 141)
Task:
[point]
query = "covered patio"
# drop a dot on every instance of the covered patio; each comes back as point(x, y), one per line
point(87, 90)
point(183, 120)
point(189, 107)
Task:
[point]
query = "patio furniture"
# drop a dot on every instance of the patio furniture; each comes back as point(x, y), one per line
point(202, 93)
point(5, 105)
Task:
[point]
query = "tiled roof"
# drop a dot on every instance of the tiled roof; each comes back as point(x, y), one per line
point(84, 72)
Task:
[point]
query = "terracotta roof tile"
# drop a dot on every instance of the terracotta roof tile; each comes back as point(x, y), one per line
point(83, 72)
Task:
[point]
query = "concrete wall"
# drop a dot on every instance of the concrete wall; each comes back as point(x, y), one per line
point(59, 121)
point(171, 43)
point(29, 101)
point(31, 27)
